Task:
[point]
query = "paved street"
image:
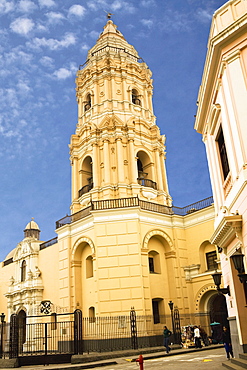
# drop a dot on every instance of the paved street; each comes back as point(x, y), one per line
point(197, 361)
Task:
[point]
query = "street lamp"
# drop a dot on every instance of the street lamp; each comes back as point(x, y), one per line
point(171, 304)
point(2, 316)
point(217, 281)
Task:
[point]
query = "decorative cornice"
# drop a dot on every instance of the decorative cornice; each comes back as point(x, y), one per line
point(229, 228)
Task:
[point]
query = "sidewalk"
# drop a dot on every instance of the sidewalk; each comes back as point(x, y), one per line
point(96, 360)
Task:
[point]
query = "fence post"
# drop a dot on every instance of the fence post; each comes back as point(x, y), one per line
point(177, 327)
point(2, 316)
point(133, 328)
point(78, 341)
point(13, 338)
point(46, 336)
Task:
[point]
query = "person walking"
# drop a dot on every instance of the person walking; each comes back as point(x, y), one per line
point(197, 337)
point(167, 333)
point(227, 342)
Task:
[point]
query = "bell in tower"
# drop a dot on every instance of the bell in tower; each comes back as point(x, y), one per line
point(117, 150)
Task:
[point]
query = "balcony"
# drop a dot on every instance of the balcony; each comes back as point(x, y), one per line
point(85, 189)
point(146, 182)
point(133, 202)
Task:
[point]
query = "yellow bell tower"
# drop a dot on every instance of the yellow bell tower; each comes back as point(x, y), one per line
point(117, 151)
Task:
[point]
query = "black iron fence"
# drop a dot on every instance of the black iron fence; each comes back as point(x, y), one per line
point(42, 336)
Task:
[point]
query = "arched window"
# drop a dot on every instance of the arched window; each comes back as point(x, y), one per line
point(135, 97)
point(208, 257)
point(23, 270)
point(89, 267)
point(88, 102)
point(86, 176)
point(144, 168)
point(91, 314)
point(154, 262)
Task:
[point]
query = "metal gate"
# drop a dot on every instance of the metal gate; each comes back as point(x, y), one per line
point(53, 341)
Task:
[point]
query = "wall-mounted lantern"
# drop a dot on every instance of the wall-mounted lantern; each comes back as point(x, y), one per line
point(217, 281)
point(238, 261)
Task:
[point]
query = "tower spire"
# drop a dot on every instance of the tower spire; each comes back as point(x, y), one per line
point(117, 151)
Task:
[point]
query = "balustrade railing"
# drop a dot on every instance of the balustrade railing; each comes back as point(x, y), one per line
point(134, 202)
point(204, 203)
point(147, 182)
point(85, 189)
point(48, 243)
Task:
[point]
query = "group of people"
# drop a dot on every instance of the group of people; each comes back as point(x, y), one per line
point(199, 334)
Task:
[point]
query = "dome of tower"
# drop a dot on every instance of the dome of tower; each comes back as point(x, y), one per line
point(32, 230)
point(32, 225)
point(112, 39)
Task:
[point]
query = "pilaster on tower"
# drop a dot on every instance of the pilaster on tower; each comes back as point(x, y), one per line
point(117, 150)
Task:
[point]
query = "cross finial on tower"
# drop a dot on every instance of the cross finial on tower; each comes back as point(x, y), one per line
point(108, 15)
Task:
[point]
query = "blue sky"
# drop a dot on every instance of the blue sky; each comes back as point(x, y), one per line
point(42, 43)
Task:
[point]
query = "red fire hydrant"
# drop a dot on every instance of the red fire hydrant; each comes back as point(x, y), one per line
point(140, 360)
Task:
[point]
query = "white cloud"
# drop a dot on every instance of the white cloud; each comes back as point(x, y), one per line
point(84, 47)
point(148, 3)
point(54, 17)
point(175, 21)
point(126, 6)
point(17, 55)
point(53, 44)
point(41, 28)
point(6, 6)
point(76, 10)
point(26, 6)
point(147, 22)
point(63, 73)
point(23, 87)
point(22, 26)
point(123, 5)
point(97, 4)
point(94, 34)
point(47, 62)
point(47, 3)
point(204, 15)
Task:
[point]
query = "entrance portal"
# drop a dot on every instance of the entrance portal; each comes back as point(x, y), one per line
point(218, 310)
point(21, 318)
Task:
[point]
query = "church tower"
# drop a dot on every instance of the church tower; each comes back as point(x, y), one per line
point(122, 245)
point(117, 151)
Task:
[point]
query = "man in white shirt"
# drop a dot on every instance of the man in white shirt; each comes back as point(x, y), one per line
point(197, 337)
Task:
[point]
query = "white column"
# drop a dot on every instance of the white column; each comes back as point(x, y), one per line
point(163, 172)
point(106, 162)
point(95, 165)
point(120, 160)
point(132, 162)
point(75, 177)
point(158, 169)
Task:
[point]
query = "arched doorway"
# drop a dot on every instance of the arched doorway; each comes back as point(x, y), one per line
point(218, 309)
point(83, 271)
point(218, 316)
point(21, 319)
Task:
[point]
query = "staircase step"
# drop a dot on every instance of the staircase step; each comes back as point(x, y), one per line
point(231, 366)
point(240, 362)
point(243, 356)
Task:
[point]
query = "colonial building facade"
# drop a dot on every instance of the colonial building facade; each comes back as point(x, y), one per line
point(124, 244)
point(221, 119)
